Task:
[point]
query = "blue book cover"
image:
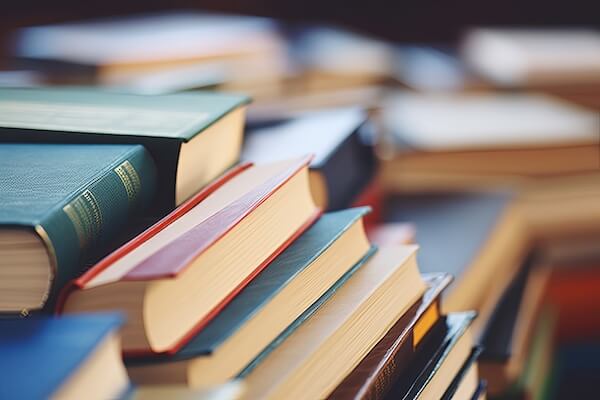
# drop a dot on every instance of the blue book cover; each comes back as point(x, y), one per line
point(38, 354)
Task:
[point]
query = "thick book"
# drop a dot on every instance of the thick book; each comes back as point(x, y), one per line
point(172, 279)
point(61, 206)
point(343, 165)
point(450, 141)
point(476, 237)
point(68, 358)
point(283, 291)
point(316, 354)
point(193, 137)
point(377, 372)
point(439, 361)
point(246, 52)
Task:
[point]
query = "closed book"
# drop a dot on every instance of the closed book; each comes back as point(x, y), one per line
point(439, 361)
point(318, 354)
point(465, 384)
point(175, 277)
point(60, 206)
point(281, 293)
point(343, 164)
point(193, 137)
point(68, 358)
point(491, 137)
point(243, 50)
point(477, 237)
point(377, 372)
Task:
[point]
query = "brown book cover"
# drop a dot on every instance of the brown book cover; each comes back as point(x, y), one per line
point(375, 374)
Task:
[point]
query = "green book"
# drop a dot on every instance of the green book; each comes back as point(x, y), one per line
point(60, 206)
point(193, 137)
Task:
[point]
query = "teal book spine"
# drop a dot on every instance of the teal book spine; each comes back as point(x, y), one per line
point(83, 226)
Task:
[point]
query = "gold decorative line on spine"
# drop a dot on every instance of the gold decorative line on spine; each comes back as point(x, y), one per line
point(130, 179)
point(51, 253)
point(84, 213)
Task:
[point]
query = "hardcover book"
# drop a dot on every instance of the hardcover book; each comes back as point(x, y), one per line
point(439, 361)
point(450, 141)
point(175, 277)
point(343, 164)
point(71, 357)
point(483, 257)
point(374, 376)
point(193, 137)
point(315, 355)
point(60, 207)
point(297, 278)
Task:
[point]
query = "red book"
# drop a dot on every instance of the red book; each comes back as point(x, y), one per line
point(172, 279)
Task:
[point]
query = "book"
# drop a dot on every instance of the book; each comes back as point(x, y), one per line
point(315, 355)
point(383, 365)
point(534, 57)
point(483, 258)
point(280, 294)
point(71, 358)
point(193, 137)
point(343, 165)
point(439, 138)
point(113, 51)
point(60, 207)
point(177, 275)
point(508, 333)
point(439, 361)
point(465, 384)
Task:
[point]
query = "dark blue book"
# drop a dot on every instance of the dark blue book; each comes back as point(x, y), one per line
point(68, 357)
point(343, 165)
point(291, 288)
point(61, 207)
point(475, 237)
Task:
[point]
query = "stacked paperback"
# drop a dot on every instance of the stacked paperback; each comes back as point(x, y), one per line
point(239, 276)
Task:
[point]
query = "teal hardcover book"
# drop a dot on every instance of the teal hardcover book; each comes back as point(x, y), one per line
point(291, 288)
point(193, 137)
point(61, 205)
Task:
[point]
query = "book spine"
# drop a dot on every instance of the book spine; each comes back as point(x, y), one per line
point(83, 227)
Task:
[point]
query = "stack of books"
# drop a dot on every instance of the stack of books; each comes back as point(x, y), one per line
point(237, 276)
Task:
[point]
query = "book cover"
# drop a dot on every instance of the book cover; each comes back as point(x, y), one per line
point(343, 164)
point(257, 294)
point(163, 124)
point(39, 354)
point(76, 198)
point(381, 367)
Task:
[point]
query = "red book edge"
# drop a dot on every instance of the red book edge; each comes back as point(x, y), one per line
point(178, 255)
point(147, 234)
point(217, 309)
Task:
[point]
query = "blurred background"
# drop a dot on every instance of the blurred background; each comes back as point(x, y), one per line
point(483, 120)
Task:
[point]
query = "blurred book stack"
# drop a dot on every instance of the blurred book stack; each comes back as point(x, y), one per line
point(276, 211)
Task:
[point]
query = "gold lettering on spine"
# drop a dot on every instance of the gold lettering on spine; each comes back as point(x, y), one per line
point(84, 213)
point(131, 180)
